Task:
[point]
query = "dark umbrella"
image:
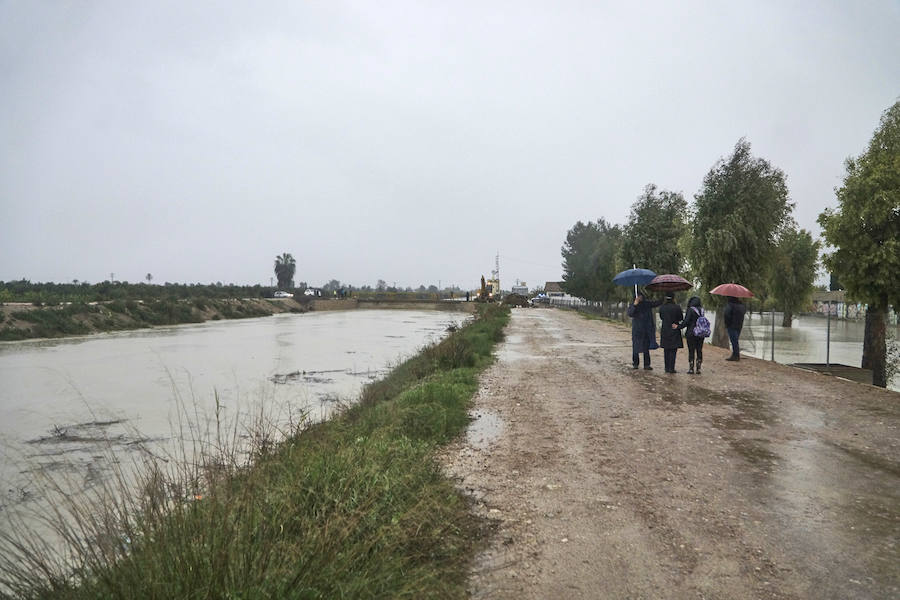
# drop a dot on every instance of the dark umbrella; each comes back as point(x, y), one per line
point(731, 289)
point(669, 283)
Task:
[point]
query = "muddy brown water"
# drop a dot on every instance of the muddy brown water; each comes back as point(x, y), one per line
point(69, 404)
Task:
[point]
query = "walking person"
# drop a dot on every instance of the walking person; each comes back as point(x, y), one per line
point(734, 322)
point(643, 329)
point(669, 333)
point(694, 341)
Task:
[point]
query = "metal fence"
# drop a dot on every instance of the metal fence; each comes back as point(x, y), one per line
point(609, 309)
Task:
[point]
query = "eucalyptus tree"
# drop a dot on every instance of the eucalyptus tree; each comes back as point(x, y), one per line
point(590, 259)
point(285, 266)
point(738, 212)
point(651, 237)
point(865, 232)
point(793, 270)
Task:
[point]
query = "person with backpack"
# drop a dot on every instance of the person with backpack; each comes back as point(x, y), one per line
point(669, 334)
point(696, 330)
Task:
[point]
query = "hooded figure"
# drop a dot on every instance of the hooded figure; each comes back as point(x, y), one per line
point(643, 329)
point(669, 334)
point(694, 343)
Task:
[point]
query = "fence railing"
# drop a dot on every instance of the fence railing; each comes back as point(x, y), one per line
point(611, 309)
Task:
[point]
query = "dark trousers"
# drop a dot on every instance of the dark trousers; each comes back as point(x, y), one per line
point(733, 335)
point(695, 346)
point(670, 358)
point(636, 355)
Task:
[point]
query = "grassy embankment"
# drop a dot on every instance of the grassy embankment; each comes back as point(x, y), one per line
point(352, 508)
point(80, 318)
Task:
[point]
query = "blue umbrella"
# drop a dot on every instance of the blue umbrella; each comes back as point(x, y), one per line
point(634, 277)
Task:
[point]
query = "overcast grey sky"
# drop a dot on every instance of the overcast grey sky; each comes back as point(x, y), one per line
point(406, 141)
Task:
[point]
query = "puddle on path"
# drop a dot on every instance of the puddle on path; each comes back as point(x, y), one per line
point(511, 350)
point(484, 430)
point(750, 411)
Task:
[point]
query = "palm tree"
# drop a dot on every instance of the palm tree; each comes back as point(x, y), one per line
point(149, 278)
point(285, 265)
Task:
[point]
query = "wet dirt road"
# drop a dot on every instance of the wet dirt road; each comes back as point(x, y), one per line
point(752, 480)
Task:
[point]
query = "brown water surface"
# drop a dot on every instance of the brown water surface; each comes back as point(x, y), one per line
point(75, 404)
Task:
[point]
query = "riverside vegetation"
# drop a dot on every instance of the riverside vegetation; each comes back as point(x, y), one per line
point(79, 318)
point(353, 507)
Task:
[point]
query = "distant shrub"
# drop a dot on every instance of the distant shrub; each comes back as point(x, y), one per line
point(117, 306)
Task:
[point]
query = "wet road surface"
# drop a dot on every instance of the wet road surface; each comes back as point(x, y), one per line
point(752, 480)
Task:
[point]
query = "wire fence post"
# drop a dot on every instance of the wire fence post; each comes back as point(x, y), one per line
point(773, 334)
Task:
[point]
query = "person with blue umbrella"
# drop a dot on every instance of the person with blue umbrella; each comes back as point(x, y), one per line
point(643, 327)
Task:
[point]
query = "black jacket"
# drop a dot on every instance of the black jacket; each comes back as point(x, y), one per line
point(690, 317)
point(643, 331)
point(670, 338)
point(734, 314)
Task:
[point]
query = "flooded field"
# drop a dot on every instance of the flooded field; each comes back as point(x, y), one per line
point(72, 405)
point(807, 340)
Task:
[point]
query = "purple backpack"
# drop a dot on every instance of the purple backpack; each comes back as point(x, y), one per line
point(701, 327)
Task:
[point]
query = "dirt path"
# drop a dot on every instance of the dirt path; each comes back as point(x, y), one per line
point(752, 480)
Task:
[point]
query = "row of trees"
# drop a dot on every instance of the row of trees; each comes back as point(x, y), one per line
point(23, 290)
point(739, 228)
point(286, 266)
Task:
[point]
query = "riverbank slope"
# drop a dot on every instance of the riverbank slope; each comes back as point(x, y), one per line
point(752, 480)
point(21, 321)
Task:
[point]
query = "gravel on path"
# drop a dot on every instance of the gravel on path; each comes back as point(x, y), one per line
point(752, 480)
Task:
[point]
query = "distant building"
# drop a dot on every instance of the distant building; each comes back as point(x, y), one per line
point(521, 289)
point(837, 303)
point(553, 289)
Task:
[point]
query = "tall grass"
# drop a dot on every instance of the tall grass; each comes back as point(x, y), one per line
point(355, 507)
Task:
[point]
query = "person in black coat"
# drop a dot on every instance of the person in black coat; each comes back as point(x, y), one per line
point(734, 322)
point(694, 343)
point(643, 329)
point(669, 334)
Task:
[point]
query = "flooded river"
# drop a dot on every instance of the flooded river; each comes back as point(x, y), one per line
point(64, 404)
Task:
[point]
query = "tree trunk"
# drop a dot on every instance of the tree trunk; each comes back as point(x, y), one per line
point(786, 320)
point(875, 344)
point(720, 335)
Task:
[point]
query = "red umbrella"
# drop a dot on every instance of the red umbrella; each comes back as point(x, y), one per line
point(669, 283)
point(731, 289)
